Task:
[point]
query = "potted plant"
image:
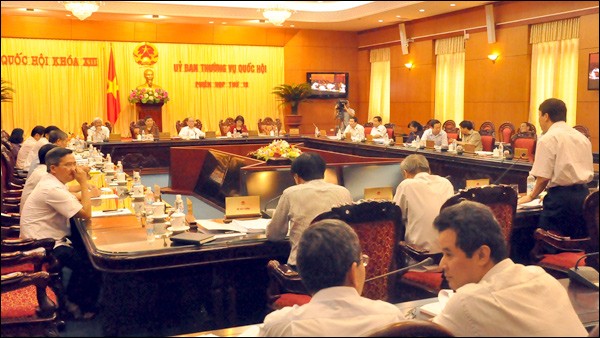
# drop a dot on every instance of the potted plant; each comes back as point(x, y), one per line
point(7, 91)
point(292, 95)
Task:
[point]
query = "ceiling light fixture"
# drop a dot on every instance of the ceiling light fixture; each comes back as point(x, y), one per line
point(82, 9)
point(277, 15)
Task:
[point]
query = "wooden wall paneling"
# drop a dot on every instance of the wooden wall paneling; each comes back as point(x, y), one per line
point(36, 27)
point(98, 30)
point(185, 33)
point(238, 35)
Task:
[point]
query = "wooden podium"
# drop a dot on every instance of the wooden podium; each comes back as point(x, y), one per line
point(153, 110)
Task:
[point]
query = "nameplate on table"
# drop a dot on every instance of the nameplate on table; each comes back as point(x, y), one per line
point(294, 132)
point(164, 135)
point(210, 134)
point(381, 193)
point(242, 207)
point(430, 144)
point(477, 183)
point(521, 153)
point(114, 137)
point(469, 148)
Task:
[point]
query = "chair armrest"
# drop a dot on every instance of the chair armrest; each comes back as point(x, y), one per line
point(559, 242)
point(288, 280)
point(12, 193)
point(24, 244)
point(417, 252)
point(34, 256)
point(19, 280)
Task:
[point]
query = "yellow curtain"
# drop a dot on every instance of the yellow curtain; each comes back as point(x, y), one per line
point(379, 94)
point(450, 79)
point(68, 95)
point(554, 66)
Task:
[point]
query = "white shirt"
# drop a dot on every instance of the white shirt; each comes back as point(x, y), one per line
point(24, 152)
point(512, 300)
point(332, 312)
point(47, 211)
point(33, 160)
point(98, 135)
point(380, 130)
point(564, 155)
point(440, 139)
point(420, 199)
point(299, 205)
point(31, 182)
point(191, 133)
point(356, 133)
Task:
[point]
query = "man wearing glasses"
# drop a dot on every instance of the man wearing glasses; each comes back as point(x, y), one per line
point(333, 270)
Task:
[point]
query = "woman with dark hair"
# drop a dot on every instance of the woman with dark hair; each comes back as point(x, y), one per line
point(150, 128)
point(238, 129)
point(416, 129)
point(15, 140)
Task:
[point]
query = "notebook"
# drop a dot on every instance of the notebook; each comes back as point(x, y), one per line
point(242, 207)
point(192, 238)
point(381, 193)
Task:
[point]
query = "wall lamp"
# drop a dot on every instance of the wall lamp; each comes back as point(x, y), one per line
point(409, 65)
point(493, 57)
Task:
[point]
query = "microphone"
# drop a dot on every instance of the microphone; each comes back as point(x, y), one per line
point(426, 261)
point(264, 212)
point(515, 160)
point(585, 275)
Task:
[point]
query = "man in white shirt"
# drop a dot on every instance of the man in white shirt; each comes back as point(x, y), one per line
point(26, 148)
point(494, 296)
point(98, 132)
point(436, 134)
point(190, 132)
point(563, 164)
point(378, 130)
point(333, 270)
point(420, 196)
point(46, 214)
point(357, 132)
point(52, 135)
point(301, 203)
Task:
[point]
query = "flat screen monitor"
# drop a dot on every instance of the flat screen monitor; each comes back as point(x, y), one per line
point(593, 72)
point(328, 85)
point(358, 177)
point(220, 177)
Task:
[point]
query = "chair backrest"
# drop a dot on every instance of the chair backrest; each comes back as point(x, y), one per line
point(5, 135)
point(224, 125)
point(427, 124)
point(590, 213)
point(506, 130)
point(84, 130)
point(583, 129)
point(449, 126)
point(390, 130)
point(502, 199)
point(527, 142)
point(109, 126)
point(412, 328)
point(379, 227)
point(487, 128)
point(452, 136)
point(179, 125)
point(267, 124)
point(368, 126)
point(488, 142)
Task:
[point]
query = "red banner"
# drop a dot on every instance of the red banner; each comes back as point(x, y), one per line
point(113, 104)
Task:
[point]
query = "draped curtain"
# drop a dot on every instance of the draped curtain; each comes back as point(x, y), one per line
point(450, 79)
point(554, 64)
point(379, 94)
point(67, 96)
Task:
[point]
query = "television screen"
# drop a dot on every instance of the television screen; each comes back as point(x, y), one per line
point(328, 85)
point(593, 72)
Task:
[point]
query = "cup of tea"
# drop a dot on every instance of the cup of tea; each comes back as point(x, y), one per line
point(138, 190)
point(177, 220)
point(121, 177)
point(158, 209)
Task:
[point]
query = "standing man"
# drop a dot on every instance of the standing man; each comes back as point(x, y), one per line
point(470, 136)
point(436, 133)
point(420, 196)
point(300, 204)
point(494, 296)
point(343, 113)
point(378, 130)
point(563, 164)
point(46, 214)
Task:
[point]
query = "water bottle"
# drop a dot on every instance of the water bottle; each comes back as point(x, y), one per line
point(119, 166)
point(150, 233)
point(276, 132)
point(178, 204)
point(501, 150)
point(317, 132)
point(530, 184)
point(108, 159)
point(143, 134)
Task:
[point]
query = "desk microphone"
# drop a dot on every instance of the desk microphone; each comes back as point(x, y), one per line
point(497, 181)
point(426, 261)
point(585, 275)
point(264, 212)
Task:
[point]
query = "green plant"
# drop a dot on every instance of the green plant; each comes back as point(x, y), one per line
point(7, 91)
point(292, 95)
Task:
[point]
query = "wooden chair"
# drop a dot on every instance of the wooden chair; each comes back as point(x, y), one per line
point(569, 250)
point(179, 125)
point(390, 130)
point(488, 142)
point(584, 130)
point(427, 125)
point(487, 128)
point(502, 200)
point(526, 141)
point(267, 124)
point(134, 127)
point(84, 130)
point(109, 126)
point(224, 125)
point(451, 130)
point(368, 126)
point(506, 130)
point(379, 227)
point(412, 328)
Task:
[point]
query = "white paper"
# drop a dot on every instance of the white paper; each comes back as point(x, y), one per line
point(435, 308)
point(104, 197)
point(536, 203)
point(258, 225)
point(119, 212)
point(214, 226)
point(252, 331)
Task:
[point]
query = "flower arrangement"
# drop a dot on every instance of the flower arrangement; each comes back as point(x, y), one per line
point(277, 149)
point(148, 96)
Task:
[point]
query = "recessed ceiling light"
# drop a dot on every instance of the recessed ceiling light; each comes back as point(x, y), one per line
point(421, 10)
point(398, 16)
point(29, 9)
point(211, 22)
point(452, 5)
point(379, 20)
point(224, 23)
point(155, 16)
point(292, 25)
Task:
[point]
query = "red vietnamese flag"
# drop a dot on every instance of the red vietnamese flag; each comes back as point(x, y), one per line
point(113, 102)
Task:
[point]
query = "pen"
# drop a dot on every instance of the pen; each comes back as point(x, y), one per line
point(111, 210)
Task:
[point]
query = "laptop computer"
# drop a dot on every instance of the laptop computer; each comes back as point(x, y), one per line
point(381, 193)
point(242, 207)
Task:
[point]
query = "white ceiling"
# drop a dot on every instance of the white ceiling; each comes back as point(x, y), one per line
point(327, 15)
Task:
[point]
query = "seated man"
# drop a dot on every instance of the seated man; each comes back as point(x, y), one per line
point(494, 296)
point(420, 196)
point(357, 132)
point(470, 136)
point(524, 131)
point(190, 132)
point(56, 137)
point(46, 214)
point(98, 132)
point(36, 134)
point(436, 134)
point(333, 271)
point(378, 130)
point(32, 158)
point(300, 204)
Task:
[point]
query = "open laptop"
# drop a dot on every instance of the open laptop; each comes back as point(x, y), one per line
point(381, 193)
point(242, 207)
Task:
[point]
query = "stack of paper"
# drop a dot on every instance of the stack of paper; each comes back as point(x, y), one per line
point(258, 225)
point(213, 227)
point(535, 204)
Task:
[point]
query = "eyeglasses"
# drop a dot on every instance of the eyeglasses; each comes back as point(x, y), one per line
point(364, 259)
